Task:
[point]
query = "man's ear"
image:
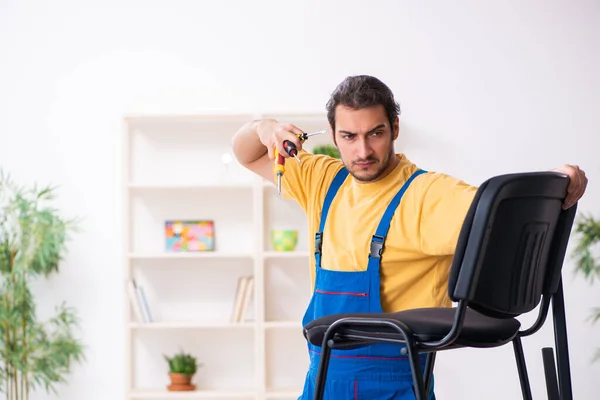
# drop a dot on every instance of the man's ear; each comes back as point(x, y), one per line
point(332, 131)
point(396, 130)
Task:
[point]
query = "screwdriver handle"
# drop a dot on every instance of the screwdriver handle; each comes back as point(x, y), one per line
point(279, 162)
point(290, 148)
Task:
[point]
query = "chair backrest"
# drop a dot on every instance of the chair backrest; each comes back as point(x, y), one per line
point(512, 244)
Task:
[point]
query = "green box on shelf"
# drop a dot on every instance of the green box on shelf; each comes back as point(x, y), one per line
point(284, 239)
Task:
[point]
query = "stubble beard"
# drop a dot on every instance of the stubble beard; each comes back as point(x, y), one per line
point(383, 166)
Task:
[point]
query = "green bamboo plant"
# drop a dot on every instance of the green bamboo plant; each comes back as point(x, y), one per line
point(587, 230)
point(33, 354)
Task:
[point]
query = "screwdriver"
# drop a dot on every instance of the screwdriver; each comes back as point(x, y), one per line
point(305, 136)
point(291, 148)
point(279, 170)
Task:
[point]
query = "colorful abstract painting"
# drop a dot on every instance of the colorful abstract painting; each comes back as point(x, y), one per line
point(190, 235)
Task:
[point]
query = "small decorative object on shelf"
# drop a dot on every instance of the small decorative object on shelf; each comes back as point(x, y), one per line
point(226, 159)
point(192, 235)
point(182, 368)
point(328, 150)
point(284, 239)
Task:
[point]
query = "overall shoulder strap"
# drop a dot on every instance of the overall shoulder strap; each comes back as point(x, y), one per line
point(331, 192)
point(378, 238)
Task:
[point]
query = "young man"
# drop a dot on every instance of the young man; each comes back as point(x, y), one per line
point(418, 247)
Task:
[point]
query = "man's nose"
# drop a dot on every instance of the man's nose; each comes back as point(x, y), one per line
point(364, 150)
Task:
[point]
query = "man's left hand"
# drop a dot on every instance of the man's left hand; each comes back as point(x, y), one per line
point(577, 184)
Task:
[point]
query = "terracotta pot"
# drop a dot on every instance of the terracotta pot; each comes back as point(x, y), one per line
point(180, 382)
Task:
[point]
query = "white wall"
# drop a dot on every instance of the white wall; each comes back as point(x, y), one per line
point(485, 89)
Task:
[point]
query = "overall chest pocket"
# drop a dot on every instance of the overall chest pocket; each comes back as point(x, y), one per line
point(337, 301)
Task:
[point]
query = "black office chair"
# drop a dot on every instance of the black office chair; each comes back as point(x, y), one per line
point(508, 260)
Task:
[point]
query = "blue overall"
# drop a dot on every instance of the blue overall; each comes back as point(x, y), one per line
point(377, 371)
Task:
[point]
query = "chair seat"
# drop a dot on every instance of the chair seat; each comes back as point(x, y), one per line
point(427, 324)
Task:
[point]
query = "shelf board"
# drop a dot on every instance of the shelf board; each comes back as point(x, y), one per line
point(191, 325)
point(286, 254)
point(182, 186)
point(193, 394)
point(186, 255)
point(284, 393)
point(283, 324)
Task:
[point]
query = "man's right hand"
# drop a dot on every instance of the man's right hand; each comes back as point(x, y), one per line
point(272, 134)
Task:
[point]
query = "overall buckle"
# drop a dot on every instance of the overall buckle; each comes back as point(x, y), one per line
point(318, 242)
point(376, 246)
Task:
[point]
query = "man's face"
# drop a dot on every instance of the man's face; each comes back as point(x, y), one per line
point(365, 141)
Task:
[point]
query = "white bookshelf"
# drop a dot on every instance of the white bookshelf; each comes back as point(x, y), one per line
point(173, 170)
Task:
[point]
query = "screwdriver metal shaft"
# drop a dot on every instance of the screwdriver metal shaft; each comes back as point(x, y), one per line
point(279, 170)
point(305, 136)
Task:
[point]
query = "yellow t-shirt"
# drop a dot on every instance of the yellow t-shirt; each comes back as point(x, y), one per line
point(423, 232)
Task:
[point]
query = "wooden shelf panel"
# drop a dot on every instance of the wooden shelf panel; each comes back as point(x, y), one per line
point(219, 254)
point(184, 255)
point(283, 394)
point(191, 325)
point(191, 186)
point(214, 394)
point(283, 325)
point(287, 254)
point(193, 394)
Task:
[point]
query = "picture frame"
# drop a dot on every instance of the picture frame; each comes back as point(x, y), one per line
point(189, 235)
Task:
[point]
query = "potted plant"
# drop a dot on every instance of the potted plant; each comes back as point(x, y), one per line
point(33, 353)
point(328, 150)
point(588, 231)
point(182, 367)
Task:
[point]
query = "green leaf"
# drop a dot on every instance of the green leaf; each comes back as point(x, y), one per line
point(587, 235)
point(182, 363)
point(587, 232)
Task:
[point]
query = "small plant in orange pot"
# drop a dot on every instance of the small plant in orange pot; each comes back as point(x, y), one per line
point(182, 368)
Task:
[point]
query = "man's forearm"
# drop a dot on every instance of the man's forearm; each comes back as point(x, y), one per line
point(246, 144)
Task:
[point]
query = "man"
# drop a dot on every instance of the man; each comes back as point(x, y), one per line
point(418, 248)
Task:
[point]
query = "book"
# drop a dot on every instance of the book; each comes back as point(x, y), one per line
point(243, 295)
point(134, 301)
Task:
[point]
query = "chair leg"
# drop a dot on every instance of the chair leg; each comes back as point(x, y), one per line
point(522, 368)
point(418, 384)
point(326, 348)
point(321, 378)
point(429, 371)
point(550, 373)
point(561, 342)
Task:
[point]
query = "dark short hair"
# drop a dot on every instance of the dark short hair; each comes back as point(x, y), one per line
point(362, 91)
